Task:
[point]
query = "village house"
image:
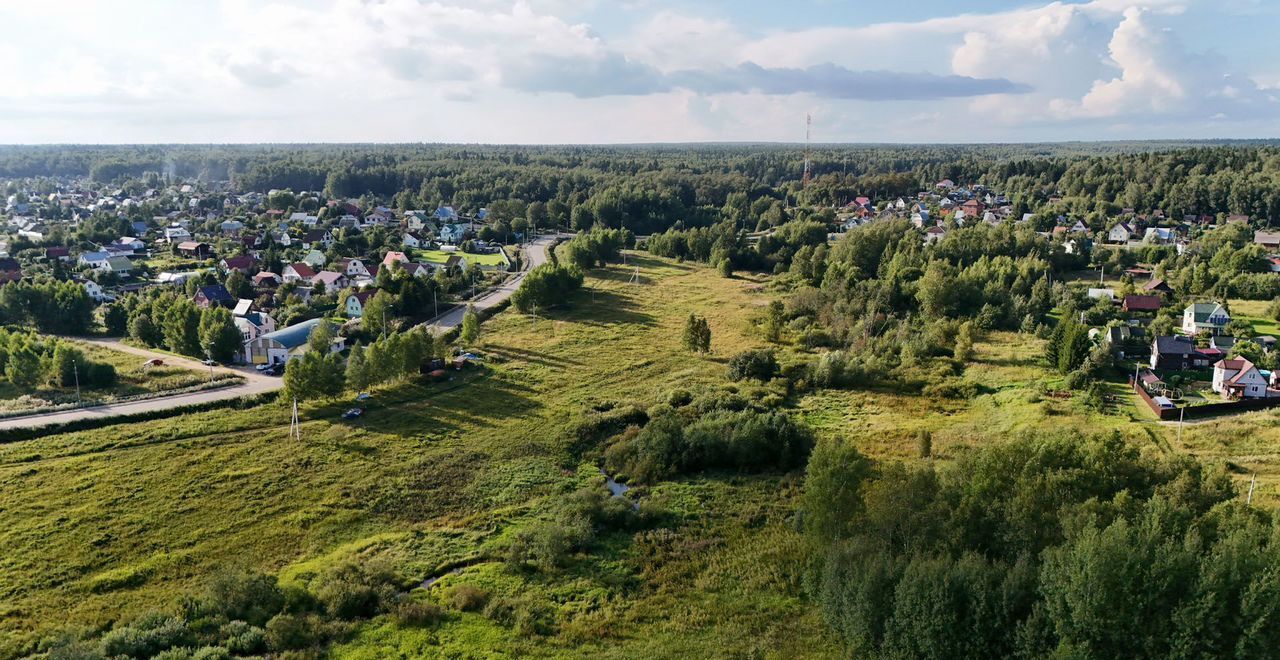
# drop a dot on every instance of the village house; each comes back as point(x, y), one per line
point(1121, 233)
point(246, 265)
point(333, 281)
point(1209, 318)
point(315, 259)
point(286, 344)
point(297, 274)
point(1137, 303)
point(251, 322)
point(1157, 286)
point(95, 260)
point(176, 234)
point(1240, 379)
point(10, 270)
point(1176, 353)
point(266, 280)
point(119, 265)
point(317, 238)
point(356, 302)
point(195, 249)
point(1267, 239)
point(213, 295)
point(351, 268)
point(413, 240)
point(60, 253)
point(95, 291)
point(130, 242)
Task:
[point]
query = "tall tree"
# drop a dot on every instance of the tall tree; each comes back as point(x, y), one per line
point(470, 326)
point(219, 337)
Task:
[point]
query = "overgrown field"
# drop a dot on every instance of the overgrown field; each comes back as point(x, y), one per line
point(110, 524)
point(437, 480)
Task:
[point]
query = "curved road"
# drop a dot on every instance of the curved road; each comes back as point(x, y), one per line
point(255, 382)
point(536, 255)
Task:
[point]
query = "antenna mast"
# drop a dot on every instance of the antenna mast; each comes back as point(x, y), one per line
point(808, 153)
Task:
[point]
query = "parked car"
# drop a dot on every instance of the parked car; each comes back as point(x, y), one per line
point(363, 396)
point(353, 413)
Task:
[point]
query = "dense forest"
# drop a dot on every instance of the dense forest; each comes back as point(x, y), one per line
point(651, 188)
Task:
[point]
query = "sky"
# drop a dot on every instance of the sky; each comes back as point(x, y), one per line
point(631, 71)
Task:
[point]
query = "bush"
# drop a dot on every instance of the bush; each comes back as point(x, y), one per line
point(292, 631)
point(238, 596)
point(147, 637)
point(760, 365)
point(952, 388)
point(469, 598)
point(678, 398)
point(677, 442)
point(241, 638)
point(413, 613)
point(354, 590)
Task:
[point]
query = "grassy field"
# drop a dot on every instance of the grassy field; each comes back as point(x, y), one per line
point(132, 380)
point(433, 475)
point(440, 256)
point(1255, 312)
point(107, 525)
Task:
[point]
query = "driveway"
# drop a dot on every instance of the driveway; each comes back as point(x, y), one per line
point(255, 383)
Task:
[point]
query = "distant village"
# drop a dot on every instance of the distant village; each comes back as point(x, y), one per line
point(286, 249)
point(1189, 360)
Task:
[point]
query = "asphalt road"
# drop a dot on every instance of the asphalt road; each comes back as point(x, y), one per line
point(255, 382)
point(535, 255)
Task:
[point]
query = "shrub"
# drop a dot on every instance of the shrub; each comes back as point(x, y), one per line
point(354, 590)
point(413, 613)
point(469, 598)
point(760, 365)
point(147, 637)
point(952, 388)
point(291, 631)
point(239, 596)
point(678, 398)
point(241, 638)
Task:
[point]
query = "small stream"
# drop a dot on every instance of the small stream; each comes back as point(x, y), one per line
point(617, 489)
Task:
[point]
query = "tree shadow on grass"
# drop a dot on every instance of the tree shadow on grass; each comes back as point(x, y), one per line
point(537, 357)
point(482, 404)
point(609, 307)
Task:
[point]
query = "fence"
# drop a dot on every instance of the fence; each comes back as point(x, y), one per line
point(1207, 410)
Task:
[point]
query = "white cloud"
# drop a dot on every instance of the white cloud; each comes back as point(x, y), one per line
point(533, 70)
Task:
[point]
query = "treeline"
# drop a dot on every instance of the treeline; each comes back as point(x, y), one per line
point(48, 306)
point(727, 246)
point(321, 373)
point(164, 319)
point(1060, 546)
point(28, 360)
point(547, 286)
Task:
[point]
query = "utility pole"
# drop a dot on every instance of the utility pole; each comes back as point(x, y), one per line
point(75, 368)
point(1252, 482)
point(1181, 413)
point(435, 303)
point(295, 424)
